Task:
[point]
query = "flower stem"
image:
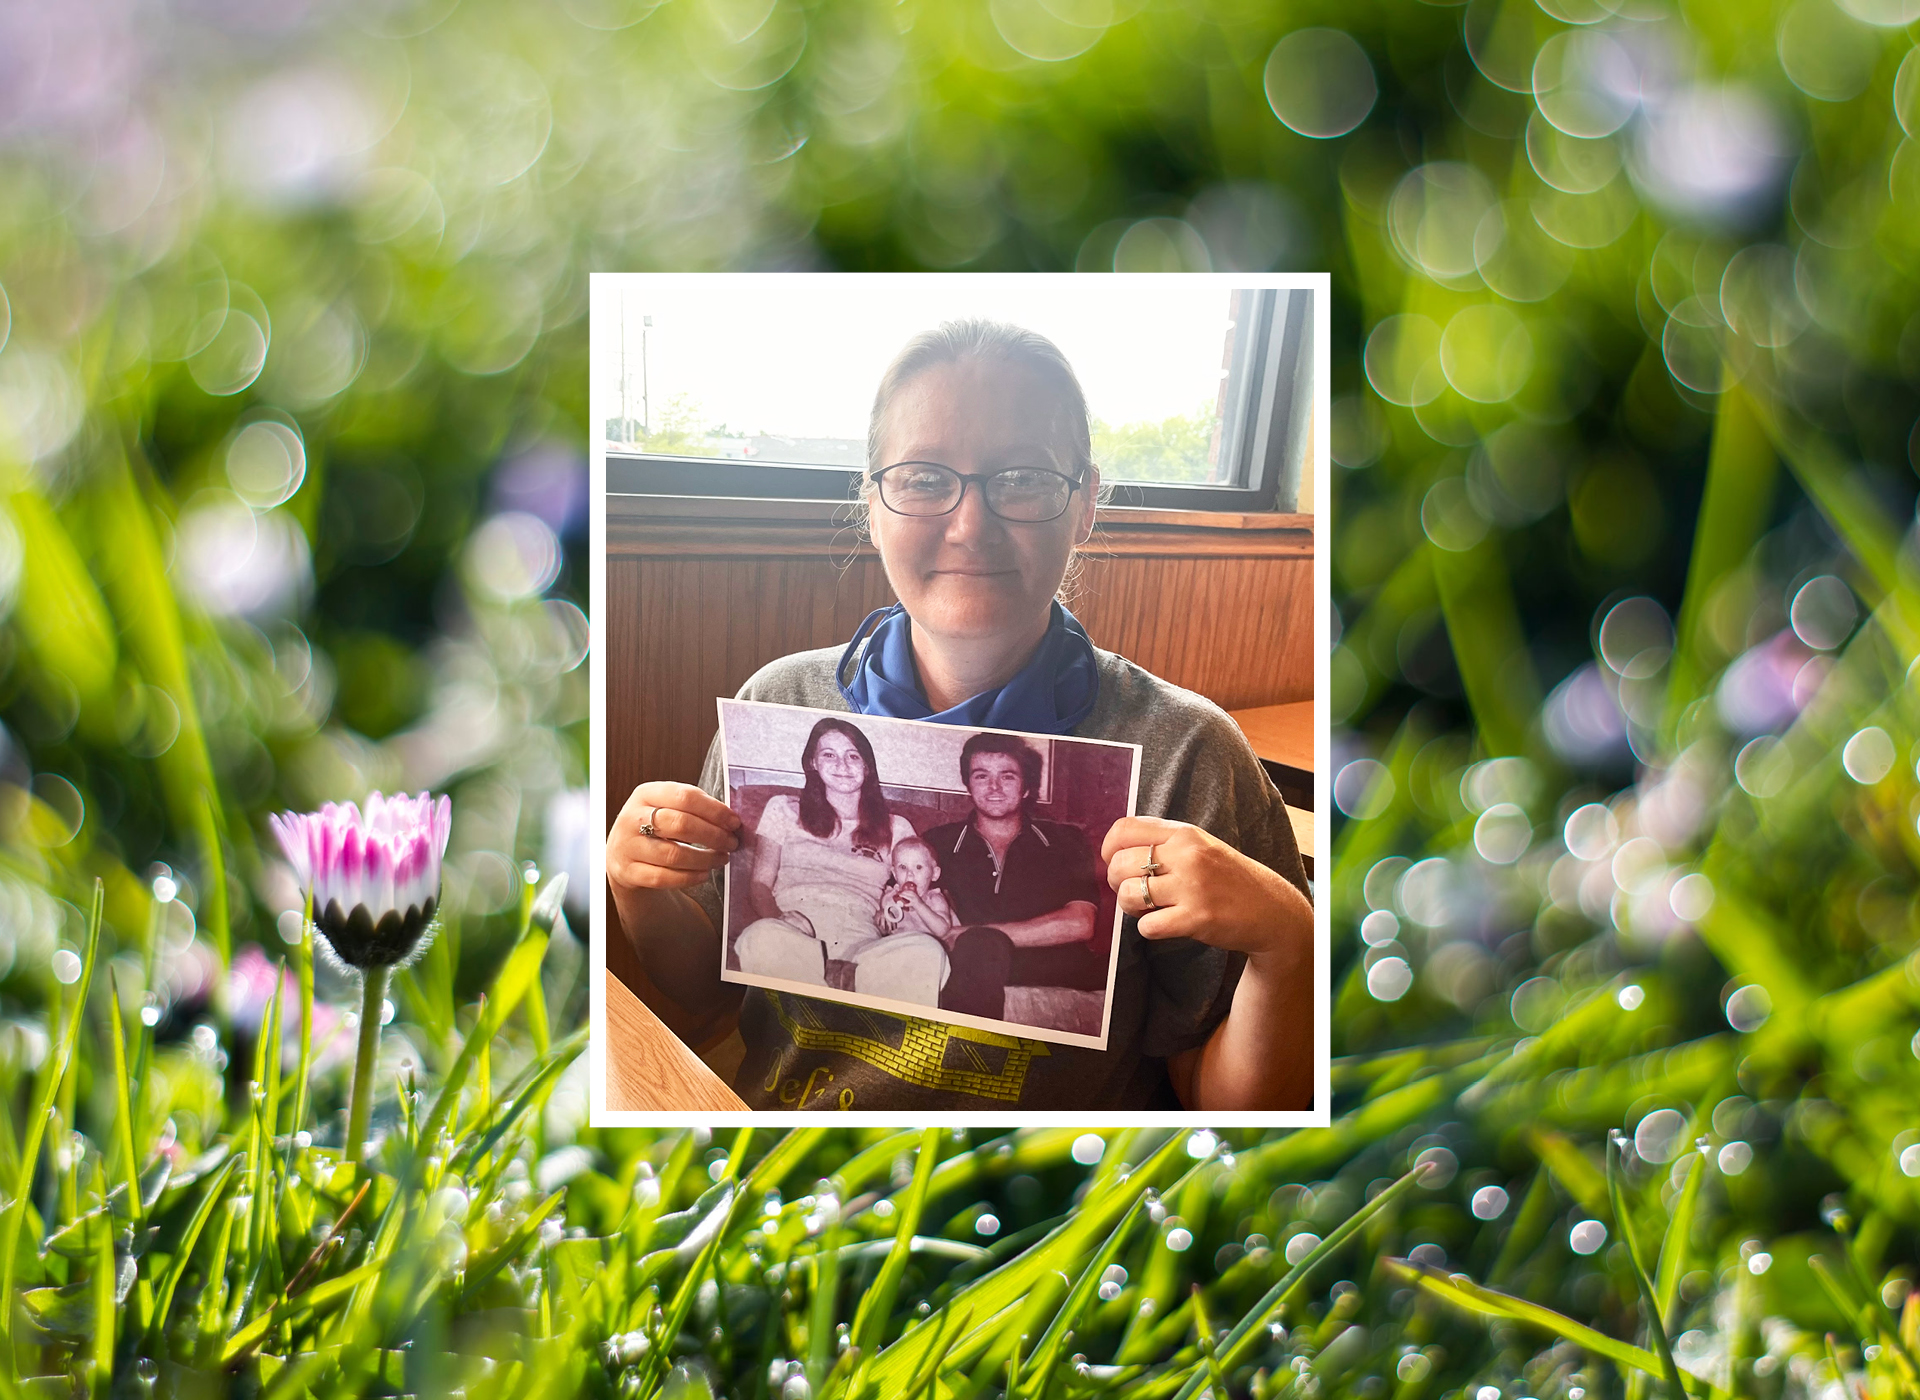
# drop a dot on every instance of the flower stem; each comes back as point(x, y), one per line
point(373, 997)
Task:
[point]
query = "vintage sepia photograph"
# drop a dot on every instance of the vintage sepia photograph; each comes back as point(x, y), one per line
point(949, 872)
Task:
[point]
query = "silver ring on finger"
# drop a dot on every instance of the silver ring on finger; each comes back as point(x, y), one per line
point(1153, 867)
point(646, 827)
point(1146, 894)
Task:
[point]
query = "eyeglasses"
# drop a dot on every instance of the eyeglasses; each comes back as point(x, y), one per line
point(1029, 495)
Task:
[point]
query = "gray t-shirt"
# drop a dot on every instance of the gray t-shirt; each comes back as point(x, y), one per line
point(1169, 994)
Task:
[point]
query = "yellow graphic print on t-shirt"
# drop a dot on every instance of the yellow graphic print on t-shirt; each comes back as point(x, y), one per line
point(926, 1054)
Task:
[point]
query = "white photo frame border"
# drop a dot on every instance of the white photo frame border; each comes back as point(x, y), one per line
point(602, 339)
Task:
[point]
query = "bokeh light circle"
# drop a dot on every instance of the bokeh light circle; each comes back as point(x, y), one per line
point(1636, 638)
point(1587, 1236)
point(1435, 215)
point(1363, 789)
point(1516, 256)
point(1748, 1008)
point(1036, 31)
point(1760, 298)
point(1502, 833)
point(1399, 351)
point(266, 462)
point(1591, 832)
point(1489, 1203)
point(1389, 979)
point(512, 556)
point(1660, 1135)
point(1448, 516)
point(1883, 14)
point(1320, 82)
point(1906, 93)
point(1868, 756)
point(1585, 83)
point(1823, 612)
point(1486, 353)
point(1826, 53)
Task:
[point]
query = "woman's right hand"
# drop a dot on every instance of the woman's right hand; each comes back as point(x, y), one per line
point(683, 817)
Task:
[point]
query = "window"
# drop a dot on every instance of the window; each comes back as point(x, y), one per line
point(761, 386)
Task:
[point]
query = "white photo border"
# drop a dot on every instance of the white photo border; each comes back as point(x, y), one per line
point(601, 338)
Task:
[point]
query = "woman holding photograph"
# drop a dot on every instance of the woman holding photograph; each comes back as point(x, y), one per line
point(822, 860)
point(980, 487)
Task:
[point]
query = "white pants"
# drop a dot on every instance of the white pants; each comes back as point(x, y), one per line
point(900, 967)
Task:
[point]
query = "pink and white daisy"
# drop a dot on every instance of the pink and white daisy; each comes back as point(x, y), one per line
point(375, 878)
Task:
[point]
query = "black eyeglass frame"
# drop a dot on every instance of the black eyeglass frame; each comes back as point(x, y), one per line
point(1073, 484)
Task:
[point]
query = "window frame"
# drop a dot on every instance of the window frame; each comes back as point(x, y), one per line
point(1257, 437)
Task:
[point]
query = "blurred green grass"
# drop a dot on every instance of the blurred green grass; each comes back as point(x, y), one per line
point(1626, 369)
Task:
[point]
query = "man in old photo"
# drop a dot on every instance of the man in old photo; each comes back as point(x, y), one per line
point(1022, 888)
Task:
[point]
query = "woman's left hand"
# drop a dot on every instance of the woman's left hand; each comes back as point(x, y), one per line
point(1206, 890)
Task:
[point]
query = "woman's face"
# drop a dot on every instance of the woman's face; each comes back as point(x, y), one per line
point(969, 575)
point(837, 760)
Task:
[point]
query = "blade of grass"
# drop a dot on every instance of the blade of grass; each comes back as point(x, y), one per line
point(787, 1154)
point(1046, 1352)
point(177, 1268)
point(1246, 1333)
point(1489, 647)
point(539, 1081)
point(989, 1297)
point(516, 974)
point(1616, 1143)
point(1585, 1182)
point(1734, 508)
point(876, 1308)
point(304, 962)
point(57, 1064)
point(509, 1249)
point(1462, 1293)
point(1675, 1247)
point(826, 1289)
point(301, 1305)
point(123, 1098)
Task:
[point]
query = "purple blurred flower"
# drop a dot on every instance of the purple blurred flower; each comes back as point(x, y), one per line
point(375, 879)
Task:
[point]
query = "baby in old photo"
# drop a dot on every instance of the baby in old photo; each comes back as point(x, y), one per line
point(912, 901)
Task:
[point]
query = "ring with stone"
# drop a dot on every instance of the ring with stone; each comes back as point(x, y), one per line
point(646, 827)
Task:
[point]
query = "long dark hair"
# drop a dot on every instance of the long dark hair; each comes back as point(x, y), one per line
point(874, 832)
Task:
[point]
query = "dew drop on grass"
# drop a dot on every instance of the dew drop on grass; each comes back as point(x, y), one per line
point(1301, 1245)
point(987, 1224)
point(1088, 1148)
point(1631, 996)
point(1202, 1143)
point(1587, 1236)
point(1910, 1160)
point(883, 1208)
point(1179, 1239)
point(1735, 1158)
point(165, 888)
point(66, 966)
point(1487, 1392)
point(1489, 1202)
point(796, 1388)
point(1759, 1263)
